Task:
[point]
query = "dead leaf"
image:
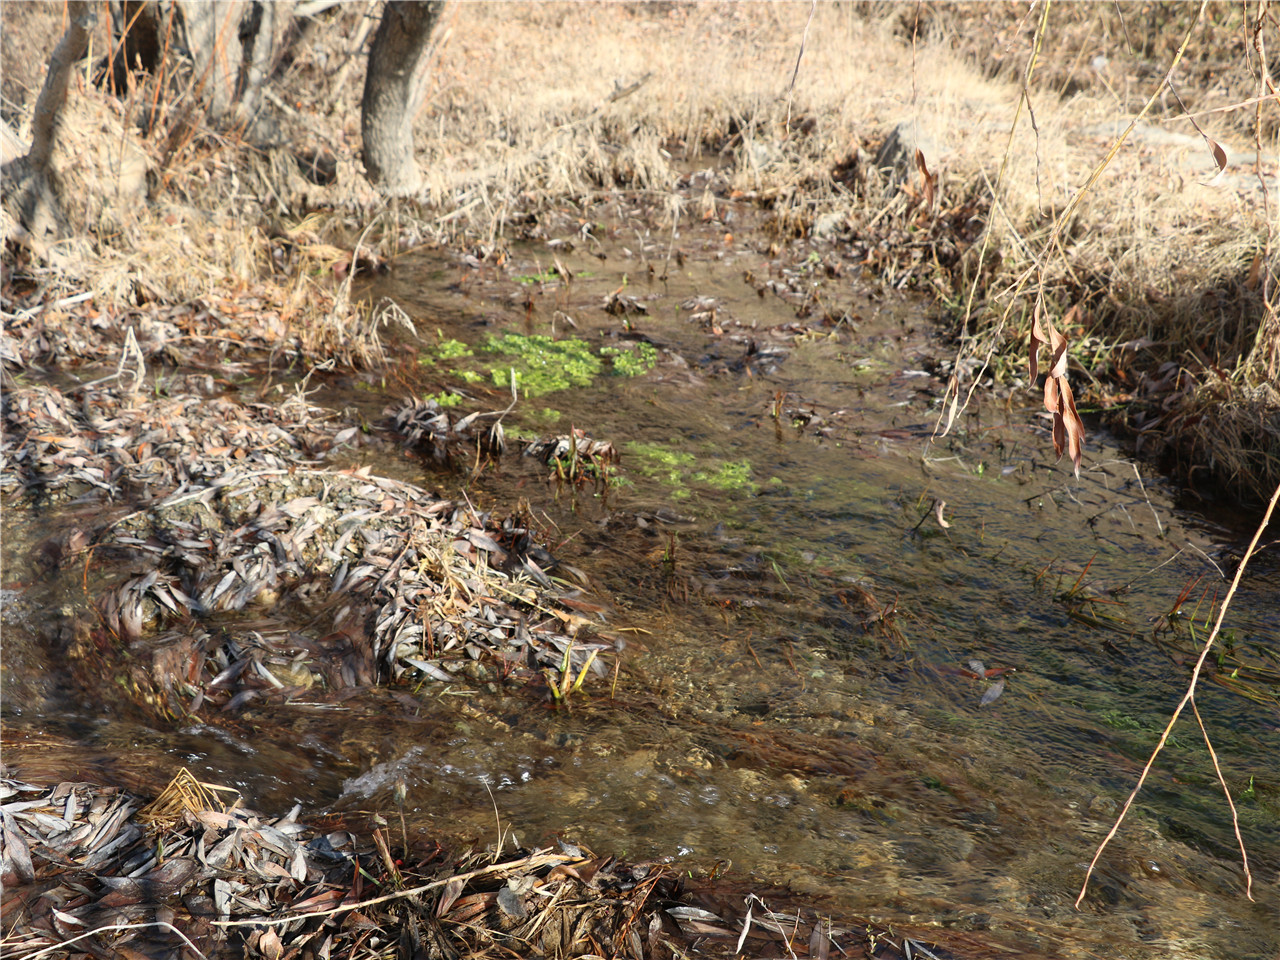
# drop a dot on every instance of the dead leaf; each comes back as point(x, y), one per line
point(17, 856)
point(1068, 428)
point(992, 694)
point(938, 507)
point(270, 945)
point(452, 890)
point(930, 181)
point(1219, 158)
point(1255, 272)
point(1219, 155)
point(952, 400)
point(321, 901)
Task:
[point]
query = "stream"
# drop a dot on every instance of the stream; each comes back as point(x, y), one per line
point(804, 581)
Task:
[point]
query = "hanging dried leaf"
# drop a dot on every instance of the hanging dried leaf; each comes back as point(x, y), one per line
point(1033, 350)
point(1219, 155)
point(1219, 158)
point(1068, 428)
point(930, 181)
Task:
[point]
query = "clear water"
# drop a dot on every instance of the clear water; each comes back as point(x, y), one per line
point(797, 704)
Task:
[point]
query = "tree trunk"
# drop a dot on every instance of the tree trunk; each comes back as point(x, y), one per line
point(234, 44)
point(29, 182)
point(137, 25)
point(394, 86)
point(213, 37)
point(53, 94)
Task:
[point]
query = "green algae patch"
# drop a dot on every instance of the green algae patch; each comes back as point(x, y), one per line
point(442, 350)
point(664, 462)
point(451, 350)
point(678, 469)
point(730, 475)
point(541, 364)
point(445, 399)
point(661, 460)
point(631, 360)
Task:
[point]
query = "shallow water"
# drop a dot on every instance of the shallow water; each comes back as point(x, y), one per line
point(795, 705)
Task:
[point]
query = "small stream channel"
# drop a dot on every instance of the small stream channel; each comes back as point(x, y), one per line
point(798, 701)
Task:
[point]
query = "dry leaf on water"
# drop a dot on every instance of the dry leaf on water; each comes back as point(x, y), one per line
point(992, 693)
point(938, 507)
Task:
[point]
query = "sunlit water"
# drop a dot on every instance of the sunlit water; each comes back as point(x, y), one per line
point(796, 704)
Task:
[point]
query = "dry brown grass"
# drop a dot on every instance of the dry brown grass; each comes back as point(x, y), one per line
point(531, 107)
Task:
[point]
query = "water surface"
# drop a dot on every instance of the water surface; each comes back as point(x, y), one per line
point(798, 701)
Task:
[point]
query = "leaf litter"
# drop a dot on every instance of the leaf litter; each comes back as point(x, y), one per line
point(238, 512)
point(90, 871)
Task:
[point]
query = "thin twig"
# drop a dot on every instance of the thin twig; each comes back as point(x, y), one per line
point(116, 927)
point(1146, 573)
point(1187, 697)
point(542, 858)
point(1143, 488)
point(1226, 792)
point(796, 72)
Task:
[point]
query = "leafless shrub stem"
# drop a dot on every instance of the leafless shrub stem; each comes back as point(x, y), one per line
point(1189, 697)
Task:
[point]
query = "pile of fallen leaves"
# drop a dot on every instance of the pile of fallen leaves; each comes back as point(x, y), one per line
point(90, 872)
point(127, 444)
point(211, 506)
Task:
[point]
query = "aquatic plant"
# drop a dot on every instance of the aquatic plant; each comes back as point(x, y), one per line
point(450, 349)
point(631, 363)
point(730, 475)
point(542, 364)
point(677, 468)
point(445, 399)
point(576, 459)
